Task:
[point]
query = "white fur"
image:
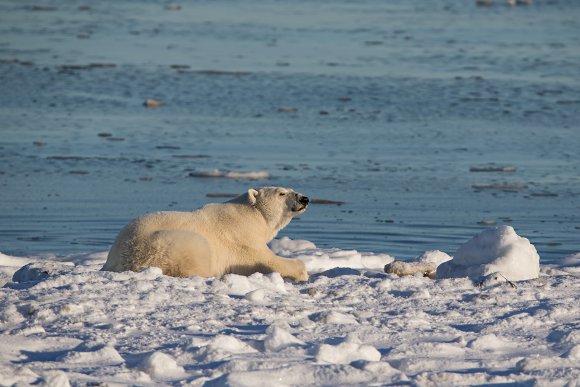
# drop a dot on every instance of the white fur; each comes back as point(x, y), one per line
point(217, 239)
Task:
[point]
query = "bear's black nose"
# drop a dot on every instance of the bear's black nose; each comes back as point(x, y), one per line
point(304, 200)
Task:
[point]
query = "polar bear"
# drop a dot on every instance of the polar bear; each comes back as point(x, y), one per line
point(214, 240)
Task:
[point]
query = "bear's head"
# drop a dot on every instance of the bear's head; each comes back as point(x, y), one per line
point(278, 205)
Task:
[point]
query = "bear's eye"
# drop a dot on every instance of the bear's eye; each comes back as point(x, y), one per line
point(282, 194)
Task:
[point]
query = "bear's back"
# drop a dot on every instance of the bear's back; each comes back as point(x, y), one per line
point(214, 220)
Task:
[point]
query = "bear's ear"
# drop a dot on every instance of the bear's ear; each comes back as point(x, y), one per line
point(252, 195)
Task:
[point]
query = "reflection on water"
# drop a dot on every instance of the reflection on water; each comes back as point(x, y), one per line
point(427, 131)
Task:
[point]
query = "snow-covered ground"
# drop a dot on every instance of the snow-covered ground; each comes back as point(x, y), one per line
point(70, 323)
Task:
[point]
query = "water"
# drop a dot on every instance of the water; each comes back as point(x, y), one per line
point(382, 105)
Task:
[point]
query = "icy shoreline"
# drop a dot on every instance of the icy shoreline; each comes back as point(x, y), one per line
point(349, 324)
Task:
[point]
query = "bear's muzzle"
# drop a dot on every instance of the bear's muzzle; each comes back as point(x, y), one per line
point(302, 203)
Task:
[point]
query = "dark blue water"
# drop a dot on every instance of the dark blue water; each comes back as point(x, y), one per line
point(385, 106)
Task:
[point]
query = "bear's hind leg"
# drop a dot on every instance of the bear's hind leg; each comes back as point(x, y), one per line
point(183, 253)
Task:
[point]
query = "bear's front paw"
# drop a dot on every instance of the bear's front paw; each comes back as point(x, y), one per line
point(302, 276)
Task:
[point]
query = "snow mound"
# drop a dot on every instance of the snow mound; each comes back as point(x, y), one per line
point(9, 264)
point(311, 375)
point(41, 270)
point(229, 344)
point(287, 246)
point(573, 353)
point(490, 342)
point(494, 250)
point(106, 355)
point(239, 285)
point(333, 317)
point(162, 366)
point(9, 261)
point(319, 260)
point(278, 338)
point(571, 264)
point(55, 379)
point(346, 352)
point(222, 347)
point(258, 296)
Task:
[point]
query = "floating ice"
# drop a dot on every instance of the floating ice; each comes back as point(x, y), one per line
point(251, 175)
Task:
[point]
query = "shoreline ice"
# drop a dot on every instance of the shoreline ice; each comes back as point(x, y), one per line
point(351, 323)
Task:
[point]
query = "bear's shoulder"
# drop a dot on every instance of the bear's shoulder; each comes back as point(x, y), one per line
point(227, 209)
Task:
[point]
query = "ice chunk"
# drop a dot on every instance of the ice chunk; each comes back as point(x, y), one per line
point(494, 250)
